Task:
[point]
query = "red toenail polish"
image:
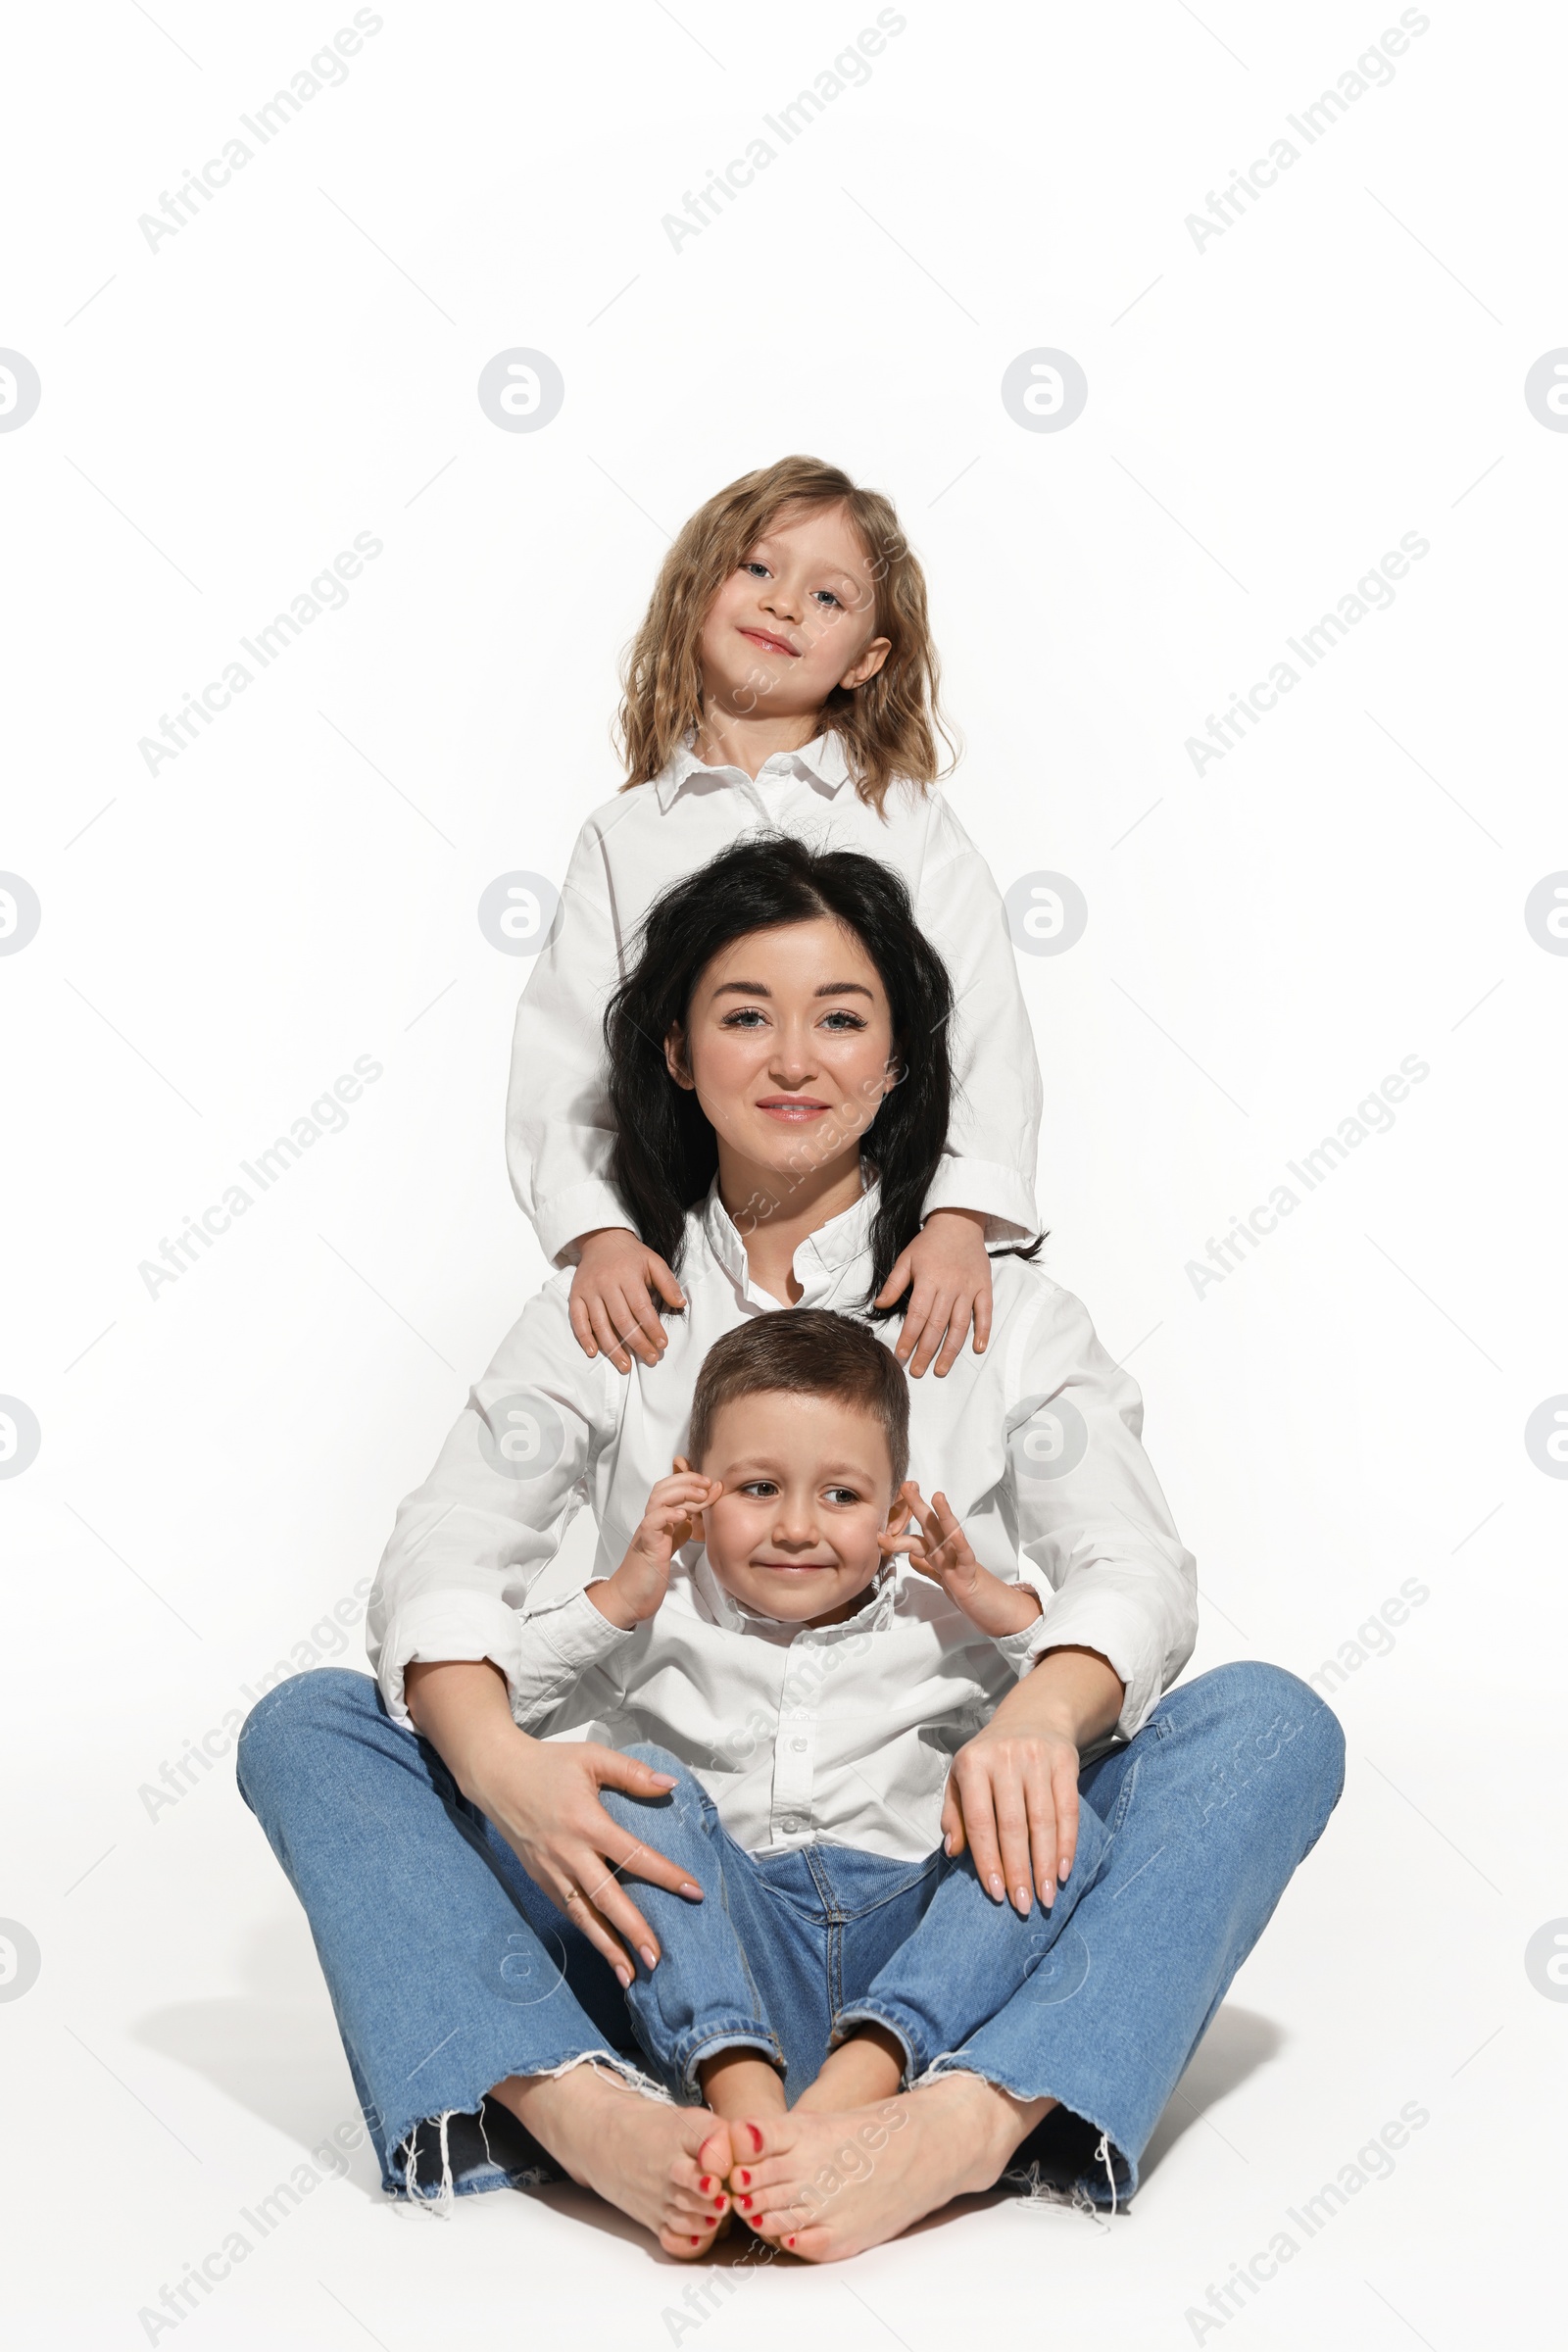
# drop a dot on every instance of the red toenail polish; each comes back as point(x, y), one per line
point(789, 2242)
point(696, 2241)
point(719, 2204)
point(746, 2204)
point(747, 2178)
point(757, 2138)
point(705, 2182)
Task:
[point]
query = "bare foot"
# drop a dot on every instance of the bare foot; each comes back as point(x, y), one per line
point(826, 2186)
point(664, 2166)
point(861, 2072)
point(740, 2082)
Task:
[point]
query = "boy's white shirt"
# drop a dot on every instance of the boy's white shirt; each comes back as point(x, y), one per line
point(843, 1734)
point(559, 1127)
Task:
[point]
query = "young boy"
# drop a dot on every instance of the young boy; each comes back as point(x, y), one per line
point(809, 1700)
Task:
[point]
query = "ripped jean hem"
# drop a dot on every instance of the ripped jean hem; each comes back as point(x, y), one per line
point(1109, 2194)
point(438, 2201)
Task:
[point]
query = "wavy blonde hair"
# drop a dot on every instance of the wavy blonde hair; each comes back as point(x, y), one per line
point(888, 727)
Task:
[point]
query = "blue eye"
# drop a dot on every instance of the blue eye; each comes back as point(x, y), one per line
point(831, 597)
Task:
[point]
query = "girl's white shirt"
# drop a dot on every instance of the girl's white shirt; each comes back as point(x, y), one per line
point(559, 1130)
point(843, 1734)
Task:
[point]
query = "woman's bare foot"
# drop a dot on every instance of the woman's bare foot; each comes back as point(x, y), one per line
point(664, 2166)
point(824, 2186)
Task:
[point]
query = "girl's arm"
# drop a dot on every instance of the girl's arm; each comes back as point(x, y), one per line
point(560, 1134)
point(984, 1190)
point(993, 1131)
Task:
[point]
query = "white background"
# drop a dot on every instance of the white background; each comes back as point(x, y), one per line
point(220, 1464)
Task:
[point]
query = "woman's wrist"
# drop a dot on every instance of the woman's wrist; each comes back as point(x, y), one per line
point(1072, 1693)
point(463, 1708)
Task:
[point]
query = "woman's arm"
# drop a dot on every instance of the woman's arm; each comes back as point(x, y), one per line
point(544, 1798)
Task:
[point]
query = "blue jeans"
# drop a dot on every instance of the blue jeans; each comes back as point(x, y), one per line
point(449, 1970)
point(825, 1937)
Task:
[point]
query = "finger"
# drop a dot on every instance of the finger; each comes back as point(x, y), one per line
point(571, 1905)
point(663, 1281)
point(577, 1312)
point(627, 1310)
point(953, 1542)
point(1012, 1834)
point(980, 1828)
point(640, 1305)
point(932, 1330)
point(958, 1330)
point(612, 1770)
point(625, 1856)
point(898, 1282)
point(982, 1312)
point(1064, 1792)
point(1045, 1830)
point(604, 1331)
point(953, 1841)
point(914, 1318)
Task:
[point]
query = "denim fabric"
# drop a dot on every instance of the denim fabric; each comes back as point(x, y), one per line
point(788, 1943)
point(449, 1970)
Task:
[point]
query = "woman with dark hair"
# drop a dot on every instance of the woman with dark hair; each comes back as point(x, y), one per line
point(777, 1060)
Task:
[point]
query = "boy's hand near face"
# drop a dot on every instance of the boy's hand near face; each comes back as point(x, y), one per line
point(938, 1548)
point(672, 1518)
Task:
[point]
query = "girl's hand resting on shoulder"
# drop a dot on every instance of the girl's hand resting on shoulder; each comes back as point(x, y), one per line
point(936, 1545)
point(950, 1272)
point(672, 1518)
point(611, 1309)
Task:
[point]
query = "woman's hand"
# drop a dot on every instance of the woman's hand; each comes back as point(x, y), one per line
point(672, 1518)
point(542, 1796)
point(948, 1265)
point(611, 1305)
point(1012, 1793)
point(939, 1550)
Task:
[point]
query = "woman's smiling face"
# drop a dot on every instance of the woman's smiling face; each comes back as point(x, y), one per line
point(788, 1044)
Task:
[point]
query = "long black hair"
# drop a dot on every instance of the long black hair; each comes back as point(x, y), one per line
point(665, 1153)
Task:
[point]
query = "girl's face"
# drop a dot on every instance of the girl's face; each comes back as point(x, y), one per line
point(788, 1044)
point(796, 618)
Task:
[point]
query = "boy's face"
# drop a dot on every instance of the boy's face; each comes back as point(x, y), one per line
point(795, 620)
point(807, 1488)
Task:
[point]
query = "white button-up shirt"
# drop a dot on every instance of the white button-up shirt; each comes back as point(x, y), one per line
point(1036, 1444)
point(559, 1132)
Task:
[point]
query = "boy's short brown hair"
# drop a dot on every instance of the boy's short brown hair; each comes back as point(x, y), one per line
point(804, 1352)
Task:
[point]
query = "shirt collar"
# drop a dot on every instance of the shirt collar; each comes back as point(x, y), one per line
point(873, 1615)
point(821, 1261)
point(820, 762)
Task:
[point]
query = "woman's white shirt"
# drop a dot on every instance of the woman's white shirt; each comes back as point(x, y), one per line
point(1036, 1444)
point(559, 1130)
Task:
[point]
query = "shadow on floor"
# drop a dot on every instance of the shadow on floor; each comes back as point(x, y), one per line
point(1236, 2045)
point(273, 2046)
